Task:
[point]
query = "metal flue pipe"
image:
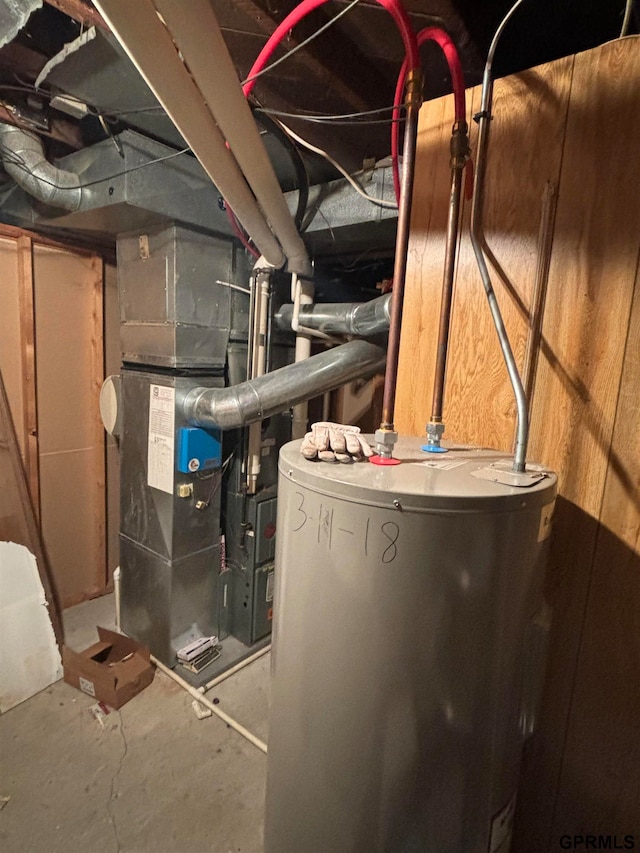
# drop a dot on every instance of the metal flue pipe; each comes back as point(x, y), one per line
point(267, 395)
point(478, 239)
point(341, 318)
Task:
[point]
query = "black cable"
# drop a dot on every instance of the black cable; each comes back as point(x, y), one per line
point(302, 177)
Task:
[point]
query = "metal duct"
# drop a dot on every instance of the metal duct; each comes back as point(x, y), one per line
point(238, 405)
point(23, 158)
point(341, 318)
point(196, 32)
point(149, 45)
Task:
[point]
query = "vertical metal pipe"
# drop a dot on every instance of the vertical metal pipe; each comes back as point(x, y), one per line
point(477, 239)
point(453, 229)
point(414, 96)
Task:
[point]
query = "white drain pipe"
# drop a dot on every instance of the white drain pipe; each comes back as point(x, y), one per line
point(150, 46)
point(193, 691)
point(197, 35)
point(302, 292)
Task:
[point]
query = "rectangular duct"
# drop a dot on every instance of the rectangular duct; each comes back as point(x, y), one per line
point(175, 299)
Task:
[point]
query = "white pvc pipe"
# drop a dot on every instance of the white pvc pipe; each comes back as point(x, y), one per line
point(241, 665)
point(302, 294)
point(196, 32)
point(193, 691)
point(257, 369)
point(149, 45)
point(117, 582)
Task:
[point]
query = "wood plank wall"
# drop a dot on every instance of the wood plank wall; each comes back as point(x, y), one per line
point(563, 167)
point(52, 360)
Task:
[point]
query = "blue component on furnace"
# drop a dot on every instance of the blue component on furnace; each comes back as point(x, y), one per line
point(198, 449)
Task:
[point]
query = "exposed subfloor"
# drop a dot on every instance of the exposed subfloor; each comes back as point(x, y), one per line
point(155, 778)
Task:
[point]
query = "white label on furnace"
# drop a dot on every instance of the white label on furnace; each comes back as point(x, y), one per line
point(544, 529)
point(160, 449)
point(87, 686)
point(502, 828)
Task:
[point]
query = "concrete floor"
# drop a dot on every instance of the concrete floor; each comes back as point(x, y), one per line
point(155, 778)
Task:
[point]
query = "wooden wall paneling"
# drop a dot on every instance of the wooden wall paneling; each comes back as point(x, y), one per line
point(68, 244)
point(589, 295)
point(600, 781)
point(10, 335)
point(69, 362)
point(523, 160)
point(24, 249)
point(479, 404)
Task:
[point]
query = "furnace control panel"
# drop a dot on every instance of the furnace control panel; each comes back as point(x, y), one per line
point(198, 450)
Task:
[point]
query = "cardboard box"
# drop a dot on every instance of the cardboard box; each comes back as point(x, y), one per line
point(113, 670)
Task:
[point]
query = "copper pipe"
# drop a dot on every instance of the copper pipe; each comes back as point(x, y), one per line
point(414, 100)
point(459, 151)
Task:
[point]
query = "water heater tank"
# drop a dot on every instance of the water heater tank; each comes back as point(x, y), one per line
point(409, 642)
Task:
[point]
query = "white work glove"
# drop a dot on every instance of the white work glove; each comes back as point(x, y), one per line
point(335, 443)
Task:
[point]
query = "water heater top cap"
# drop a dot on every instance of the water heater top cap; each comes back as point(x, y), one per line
point(459, 480)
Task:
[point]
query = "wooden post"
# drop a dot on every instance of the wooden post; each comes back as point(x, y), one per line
point(28, 355)
point(34, 542)
point(97, 374)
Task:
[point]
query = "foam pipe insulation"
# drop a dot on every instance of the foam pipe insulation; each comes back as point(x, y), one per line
point(23, 159)
point(267, 395)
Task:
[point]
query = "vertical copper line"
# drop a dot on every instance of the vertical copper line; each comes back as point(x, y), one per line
point(414, 99)
point(458, 160)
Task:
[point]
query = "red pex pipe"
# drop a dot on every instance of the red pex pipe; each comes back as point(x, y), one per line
point(443, 40)
point(394, 7)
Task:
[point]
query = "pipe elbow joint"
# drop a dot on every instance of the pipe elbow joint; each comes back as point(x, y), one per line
point(23, 158)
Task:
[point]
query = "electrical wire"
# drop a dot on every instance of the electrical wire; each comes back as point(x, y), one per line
point(381, 202)
point(394, 7)
point(21, 164)
point(628, 9)
point(94, 111)
point(302, 178)
point(11, 87)
point(310, 115)
point(302, 44)
point(320, 119)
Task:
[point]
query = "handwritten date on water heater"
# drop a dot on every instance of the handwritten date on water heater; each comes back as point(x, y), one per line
point(375, 538)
